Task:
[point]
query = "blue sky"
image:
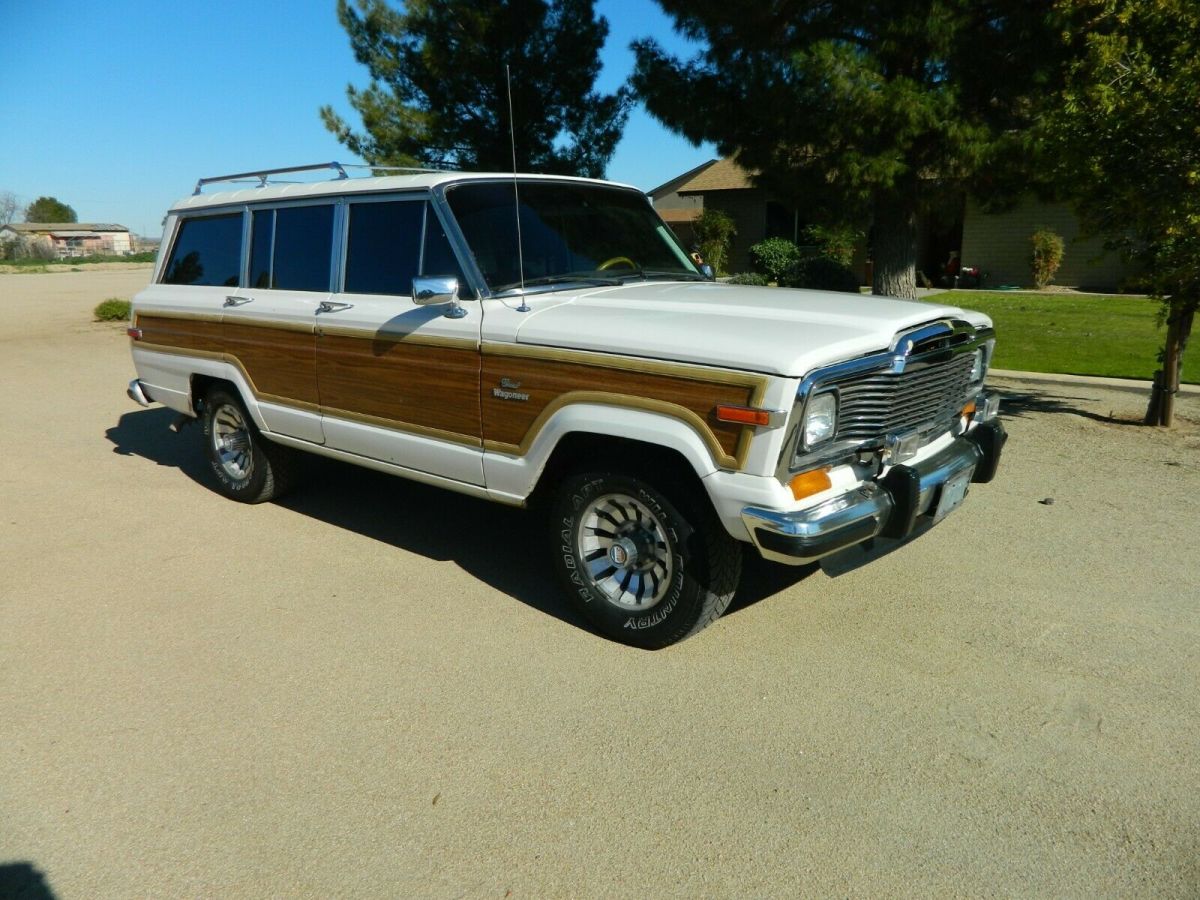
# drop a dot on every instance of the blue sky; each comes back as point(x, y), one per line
point(117, 109)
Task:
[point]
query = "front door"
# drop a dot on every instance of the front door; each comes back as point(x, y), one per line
point(399, 382)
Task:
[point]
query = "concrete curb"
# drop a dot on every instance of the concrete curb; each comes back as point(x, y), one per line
point(1119, 384)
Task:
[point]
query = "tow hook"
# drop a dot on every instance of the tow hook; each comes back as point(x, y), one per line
point(181, 422)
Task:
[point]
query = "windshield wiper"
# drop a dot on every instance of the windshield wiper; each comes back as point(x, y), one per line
point(664, 273)
point(562, 279)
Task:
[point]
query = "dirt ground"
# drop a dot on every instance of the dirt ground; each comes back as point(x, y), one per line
point(372, 688)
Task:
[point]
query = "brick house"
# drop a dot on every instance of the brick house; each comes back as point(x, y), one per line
point(997, 243)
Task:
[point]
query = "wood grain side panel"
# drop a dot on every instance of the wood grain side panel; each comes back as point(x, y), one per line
point(416, 384)
point(183, 333)
point(510, 421)
point(281, 362)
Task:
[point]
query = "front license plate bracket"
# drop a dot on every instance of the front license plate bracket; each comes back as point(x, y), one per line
point(952, 494)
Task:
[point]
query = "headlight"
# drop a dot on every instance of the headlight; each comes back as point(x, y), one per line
point(820, 419)
point(977, 367)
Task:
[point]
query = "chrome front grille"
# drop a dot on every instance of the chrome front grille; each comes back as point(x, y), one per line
point(924, 397)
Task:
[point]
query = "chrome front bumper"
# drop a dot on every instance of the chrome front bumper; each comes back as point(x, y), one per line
point(890, 506)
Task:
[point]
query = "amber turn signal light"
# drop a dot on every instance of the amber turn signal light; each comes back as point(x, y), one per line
point(743, 415)
point(808, 483)
point(969, 409)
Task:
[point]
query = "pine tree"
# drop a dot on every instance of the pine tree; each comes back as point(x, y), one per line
point(864, 110)
point(1128, 136)
point(437, 95)
point(49, 209)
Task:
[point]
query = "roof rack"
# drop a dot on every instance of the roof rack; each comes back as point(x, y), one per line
point(262, 174)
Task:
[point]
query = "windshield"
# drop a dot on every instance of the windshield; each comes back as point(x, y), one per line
point(569, 233)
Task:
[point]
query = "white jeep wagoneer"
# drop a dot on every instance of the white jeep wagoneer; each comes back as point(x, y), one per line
point(406, 323)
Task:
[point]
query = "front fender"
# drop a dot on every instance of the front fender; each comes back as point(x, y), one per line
point(514, 475)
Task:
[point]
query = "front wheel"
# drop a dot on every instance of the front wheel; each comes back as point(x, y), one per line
point(248, 467)
point(638, 567)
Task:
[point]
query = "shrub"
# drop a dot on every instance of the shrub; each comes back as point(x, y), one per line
point(714, 230)
point(835, 242)
point(114, 309)
point(1047, 256)
point(754, 278)
point(774, 256)
point(821, 273)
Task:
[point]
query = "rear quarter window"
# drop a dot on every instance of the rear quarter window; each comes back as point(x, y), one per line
point(207, 251)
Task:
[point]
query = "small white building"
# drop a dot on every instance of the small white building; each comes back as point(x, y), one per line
point(69, 239)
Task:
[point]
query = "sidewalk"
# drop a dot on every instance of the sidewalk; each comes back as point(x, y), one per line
point(1120, 384)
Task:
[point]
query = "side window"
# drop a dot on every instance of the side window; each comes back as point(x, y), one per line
point(291, 248)
point(383, 247)
point(262, 247)
point(438, 258)
point(207, 251)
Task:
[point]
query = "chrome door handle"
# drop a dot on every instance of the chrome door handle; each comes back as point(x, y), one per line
point(238, 301)
point(327, 306)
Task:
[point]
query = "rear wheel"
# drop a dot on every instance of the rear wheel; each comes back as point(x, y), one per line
point(644, 569)
point(248, 467)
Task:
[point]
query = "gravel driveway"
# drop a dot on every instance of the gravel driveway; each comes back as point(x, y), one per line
point(372, 688)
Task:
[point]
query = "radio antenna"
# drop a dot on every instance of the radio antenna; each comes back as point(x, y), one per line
point(512, 138)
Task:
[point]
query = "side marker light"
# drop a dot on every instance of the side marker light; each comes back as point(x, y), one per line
point(743, 415)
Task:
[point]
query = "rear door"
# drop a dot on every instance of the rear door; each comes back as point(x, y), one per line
point(270, 323)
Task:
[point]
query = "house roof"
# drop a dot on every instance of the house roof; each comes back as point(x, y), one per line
point(55, 227)
point(669, 187)
point(723, 175)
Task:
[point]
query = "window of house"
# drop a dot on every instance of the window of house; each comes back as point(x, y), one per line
point(207, 251)
point(291, 248)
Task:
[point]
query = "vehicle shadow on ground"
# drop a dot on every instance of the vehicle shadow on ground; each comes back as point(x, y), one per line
point(762, 580)
point(147, 433)
point(504, 547)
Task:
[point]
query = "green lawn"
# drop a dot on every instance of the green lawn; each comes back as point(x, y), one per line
point(1062, 333)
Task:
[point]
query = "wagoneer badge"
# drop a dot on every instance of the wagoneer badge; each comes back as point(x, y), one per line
point(508, 390)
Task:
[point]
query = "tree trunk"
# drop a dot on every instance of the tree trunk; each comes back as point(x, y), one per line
point(1161, 410)
point(894, 247)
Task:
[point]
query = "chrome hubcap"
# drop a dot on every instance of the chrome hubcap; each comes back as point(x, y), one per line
point(231, 441)
point(624, 549)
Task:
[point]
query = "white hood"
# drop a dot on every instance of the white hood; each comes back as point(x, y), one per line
point(780, 331)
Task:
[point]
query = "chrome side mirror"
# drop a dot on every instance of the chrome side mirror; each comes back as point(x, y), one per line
point(435, 290)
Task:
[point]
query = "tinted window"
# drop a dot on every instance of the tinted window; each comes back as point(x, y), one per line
point(383, 248)
point(262, 242)
point(291, 248)
point(438, 258)
point(208, 251)
point(303, 248)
